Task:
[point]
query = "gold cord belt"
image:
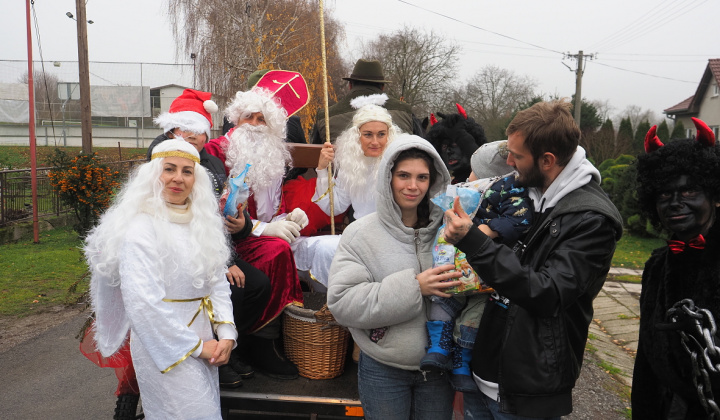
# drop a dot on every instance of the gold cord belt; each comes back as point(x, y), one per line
point(205, 305)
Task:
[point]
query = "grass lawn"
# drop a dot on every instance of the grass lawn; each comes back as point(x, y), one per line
point(633, 251)
point(36, 276)
point(18, 157)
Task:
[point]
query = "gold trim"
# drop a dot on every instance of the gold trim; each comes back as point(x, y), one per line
point(175, 153)
point(183, 358)
point(293, 303)
point(330, 186)
point(205, 305)
point(255, 226)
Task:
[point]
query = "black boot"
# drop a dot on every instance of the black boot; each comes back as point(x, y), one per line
point(126, 407)
point(268, 356)
point(228, 377)
point(239, 366)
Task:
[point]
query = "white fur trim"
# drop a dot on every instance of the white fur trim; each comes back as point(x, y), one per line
point(371, 112)
point(376, 99)
point(210, 106)
point(184, 120)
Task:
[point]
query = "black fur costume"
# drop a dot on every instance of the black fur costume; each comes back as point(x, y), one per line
point(456, 137)
point(663, 385)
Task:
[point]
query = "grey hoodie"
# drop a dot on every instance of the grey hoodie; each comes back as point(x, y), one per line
point(372, 287)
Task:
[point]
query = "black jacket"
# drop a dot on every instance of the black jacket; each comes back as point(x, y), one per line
point(663, 386)
point(533, 331)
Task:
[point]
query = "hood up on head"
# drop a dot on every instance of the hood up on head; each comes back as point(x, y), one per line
point(388, 211)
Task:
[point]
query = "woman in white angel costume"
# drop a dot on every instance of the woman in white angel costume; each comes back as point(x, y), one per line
point(158, 262)
point(356, 155)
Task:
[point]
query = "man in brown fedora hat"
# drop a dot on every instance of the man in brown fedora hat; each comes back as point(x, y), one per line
point(366, 85)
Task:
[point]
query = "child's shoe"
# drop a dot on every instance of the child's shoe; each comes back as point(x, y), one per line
point(440, 345)
point(461, 377)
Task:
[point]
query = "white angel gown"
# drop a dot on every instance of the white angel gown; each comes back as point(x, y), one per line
point(169, 318)
point(315, 253)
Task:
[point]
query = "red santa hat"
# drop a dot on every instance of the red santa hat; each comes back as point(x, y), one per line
point(189, 112)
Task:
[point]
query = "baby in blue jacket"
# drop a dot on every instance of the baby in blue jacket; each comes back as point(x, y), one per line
point(504, 214)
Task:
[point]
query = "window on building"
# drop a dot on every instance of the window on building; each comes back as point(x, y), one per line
point(716, 90)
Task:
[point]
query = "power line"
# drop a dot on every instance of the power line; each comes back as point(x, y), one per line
point(42, 65)
point(477, 27)
point(656, 25)
point(632, 25)
point(649, 22)
point(645, 74)
point(660, 55)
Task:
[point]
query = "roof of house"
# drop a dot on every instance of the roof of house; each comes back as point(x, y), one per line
point(691, 105)
point(682, 106)
point(169, 86)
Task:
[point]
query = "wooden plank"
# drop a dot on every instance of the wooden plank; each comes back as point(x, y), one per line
point(305, 155)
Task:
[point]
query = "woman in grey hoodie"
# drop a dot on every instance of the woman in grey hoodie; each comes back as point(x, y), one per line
point(379, 281)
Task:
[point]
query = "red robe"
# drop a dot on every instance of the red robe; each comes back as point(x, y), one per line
point(268, 254)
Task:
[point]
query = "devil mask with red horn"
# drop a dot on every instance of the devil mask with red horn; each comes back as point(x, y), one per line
point(697, 158)
point(455, 137)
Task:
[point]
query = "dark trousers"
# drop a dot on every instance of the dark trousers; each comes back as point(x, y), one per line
point(249, 301)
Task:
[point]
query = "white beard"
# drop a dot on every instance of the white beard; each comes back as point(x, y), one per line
point(261, 148)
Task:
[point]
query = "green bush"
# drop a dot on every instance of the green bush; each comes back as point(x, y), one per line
point(618, 181)
point(85, 184)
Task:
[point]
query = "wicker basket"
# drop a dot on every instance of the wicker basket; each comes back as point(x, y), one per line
point(315, 342)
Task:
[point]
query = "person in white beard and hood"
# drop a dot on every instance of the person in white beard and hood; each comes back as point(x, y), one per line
point(258, 139)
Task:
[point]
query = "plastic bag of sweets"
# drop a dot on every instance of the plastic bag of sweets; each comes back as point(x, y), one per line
point(236, 193)
point(446, 253)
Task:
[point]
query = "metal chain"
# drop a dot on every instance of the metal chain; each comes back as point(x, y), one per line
point(697, 336)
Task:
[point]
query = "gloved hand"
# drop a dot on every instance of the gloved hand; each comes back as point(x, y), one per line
point(298, 216)
point(284, 229)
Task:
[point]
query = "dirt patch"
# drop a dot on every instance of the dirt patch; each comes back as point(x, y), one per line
point(15, 330)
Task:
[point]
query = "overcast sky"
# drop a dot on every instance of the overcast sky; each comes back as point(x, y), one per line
point(649, 53)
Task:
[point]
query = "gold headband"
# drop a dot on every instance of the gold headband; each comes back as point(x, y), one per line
point(176, 153)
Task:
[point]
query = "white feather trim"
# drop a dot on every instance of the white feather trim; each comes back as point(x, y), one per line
point(376, 99)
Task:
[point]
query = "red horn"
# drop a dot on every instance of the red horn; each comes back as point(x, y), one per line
point(705, 135)
point(652, 141)
point(461, 110)
point(433, 120)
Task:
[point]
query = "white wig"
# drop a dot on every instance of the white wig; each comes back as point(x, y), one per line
point(355, 170)
point(258, 100)
point(143, 192)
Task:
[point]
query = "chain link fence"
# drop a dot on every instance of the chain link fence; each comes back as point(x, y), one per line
point(125, 97)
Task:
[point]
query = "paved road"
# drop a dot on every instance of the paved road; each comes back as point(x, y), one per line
point(46, 377)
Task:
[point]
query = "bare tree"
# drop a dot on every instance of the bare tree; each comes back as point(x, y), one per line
point(603, 108)
point(233, 38)
point(601, 145)
point(492, 96)
point(637, 115)
point(47, 103)
point(421, 66)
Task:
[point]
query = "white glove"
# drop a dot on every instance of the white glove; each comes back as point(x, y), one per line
point(284, 229)
point(298, 216)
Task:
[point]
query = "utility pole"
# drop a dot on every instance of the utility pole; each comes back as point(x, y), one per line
point(31, 129)
point(84, 67)
point(578, 81)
